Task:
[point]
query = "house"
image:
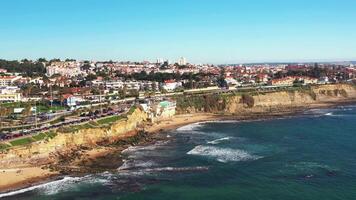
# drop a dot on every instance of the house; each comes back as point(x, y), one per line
point(290, 80)
point(231, 81)
point(171, 85)
point(4, 71)
point(162, 110)
point(8, 80)
point(70, 100)
point(10, 94)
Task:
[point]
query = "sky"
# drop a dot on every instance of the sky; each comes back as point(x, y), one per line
point(203, 31)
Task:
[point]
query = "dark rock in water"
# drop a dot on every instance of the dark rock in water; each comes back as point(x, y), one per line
point(331, 173)
point(309, 176)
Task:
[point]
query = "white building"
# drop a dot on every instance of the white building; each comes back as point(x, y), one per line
point(68, 69)
point(171, 85)
point(10, 94)
point(182, 61)
point(8, 80)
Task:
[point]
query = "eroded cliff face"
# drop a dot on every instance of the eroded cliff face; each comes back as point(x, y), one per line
point(65, 143)
point(262, 102)
point(265, 102)
point(46, 151)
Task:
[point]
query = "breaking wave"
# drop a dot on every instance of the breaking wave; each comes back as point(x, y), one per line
point(134, 149)
point(142, 172)
point(190, 127)
point(49, 188)
point(218, 141)
point(223, 154)
point(132, 164)
point(329, 114)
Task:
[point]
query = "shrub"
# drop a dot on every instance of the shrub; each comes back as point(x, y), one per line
point(247, 100)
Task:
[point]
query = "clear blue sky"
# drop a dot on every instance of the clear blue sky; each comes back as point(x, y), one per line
point(203, 31)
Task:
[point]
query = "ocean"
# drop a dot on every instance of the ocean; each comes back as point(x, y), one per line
point(305, 157)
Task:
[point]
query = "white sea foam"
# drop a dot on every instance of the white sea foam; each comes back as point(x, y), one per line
point(49, 188)
point(133, 149)
point(218, 141)
point(222, 154)
point(131, 164)
point(177, 169)
point(191, 127)
point(142, 172)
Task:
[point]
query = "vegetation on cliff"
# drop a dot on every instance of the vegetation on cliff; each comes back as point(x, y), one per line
point(200, 103)
point(101, 123)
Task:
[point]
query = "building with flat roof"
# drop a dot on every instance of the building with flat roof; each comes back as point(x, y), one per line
point(10, 94)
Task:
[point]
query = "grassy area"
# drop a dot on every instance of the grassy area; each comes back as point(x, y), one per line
point(72, 129)
point(41, 107)
point(22, 141)
point(13, 104)
point(45, 135)
point(51, 134)
point(4, 146)
point(94, 123)
point(132, 110)
point(46, 108)
point(109, 120)
point(40, 136)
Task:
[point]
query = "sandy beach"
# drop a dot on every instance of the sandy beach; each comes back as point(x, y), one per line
point(23, 177)
point(181, 120)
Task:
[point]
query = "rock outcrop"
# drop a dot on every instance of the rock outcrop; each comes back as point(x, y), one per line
point(46, 151)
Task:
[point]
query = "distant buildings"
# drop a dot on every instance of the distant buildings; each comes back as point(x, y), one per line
point(160, 110)
point(291, 80)
point(10, 94)
point(70, 100)
point(171, 85)
point(8, 80)
point(3, 71)
point(68, 69)
point(182, 61)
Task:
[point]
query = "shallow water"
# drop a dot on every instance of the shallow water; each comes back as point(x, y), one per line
point(311, 156)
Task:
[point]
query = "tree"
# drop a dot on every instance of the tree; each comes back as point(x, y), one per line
point(41, 60)
point(4, 112)
point(123, 92)
point(27, 111)
point(154, 86)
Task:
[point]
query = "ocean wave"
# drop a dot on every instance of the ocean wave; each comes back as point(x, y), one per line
point(49, 188)
point(218, 141)
point(133, 164)
point(307, 166)
point(148, 171)
point(223, 154)
point(309, 169)
point(329, 114)
point(337, 115)
point(133, 149)
point(191, 127)
point(177, 169)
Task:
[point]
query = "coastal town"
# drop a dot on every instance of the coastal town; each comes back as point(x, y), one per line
point(44, 95)
point(177, 100)
point(58, 117)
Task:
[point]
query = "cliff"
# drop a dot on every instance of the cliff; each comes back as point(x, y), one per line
point(265, 101)
point(261, 102)
point(46, 151)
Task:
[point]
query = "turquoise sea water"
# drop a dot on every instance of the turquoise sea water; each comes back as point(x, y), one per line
point(312, 156)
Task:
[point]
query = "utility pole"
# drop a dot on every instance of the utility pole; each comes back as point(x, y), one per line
point(101, 106)
point(50, 89)
point(36, 114)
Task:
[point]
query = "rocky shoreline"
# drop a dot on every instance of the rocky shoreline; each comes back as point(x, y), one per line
point(107, 157)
